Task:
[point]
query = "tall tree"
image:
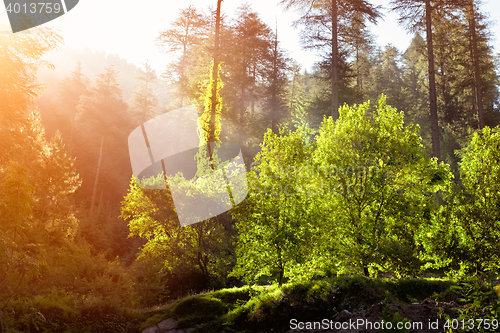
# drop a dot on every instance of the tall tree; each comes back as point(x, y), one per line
point(374, 172)
point(187, 32)
point(277, 81)
point(413, 14)
point(70, 90)
point(20, 58)
point(214, 82)
point(297, 98)
point(103, 117)
point(275, 223)
point(251, 40)
point(144, 101)
point(333, 11)
point(471, 15)
point(414, 83)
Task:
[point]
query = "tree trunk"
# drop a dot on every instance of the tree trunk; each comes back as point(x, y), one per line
point(215, 72)
point(282, 274)
point(274, 92)
point(96, 178)
point(99, 206)
point(335, 83)
point(477, 74)
point(1, 326)
point(365, 270)
point(436, 150)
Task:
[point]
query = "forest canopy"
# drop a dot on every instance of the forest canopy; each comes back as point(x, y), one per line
point(377, 162)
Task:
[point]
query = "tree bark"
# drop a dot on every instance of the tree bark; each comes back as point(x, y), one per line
point(215, 72)
point(477, 75)
point(282, 274)
point(96, 178)
point(335, 83)
point(436, 149)
point(274, 92)
point(365, 270)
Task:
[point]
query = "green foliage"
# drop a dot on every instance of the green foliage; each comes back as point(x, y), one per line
point(20, 59)
point(65, 312)
point(482, 302)
point(144, 101)
point(77, 292)
point(274, 221)
point(464, 234)
point(266, 308)
point(191, 257)
point(394, 319)
point(377, 188)
point(206, 118)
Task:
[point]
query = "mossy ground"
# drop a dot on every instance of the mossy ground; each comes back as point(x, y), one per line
point(262, 308)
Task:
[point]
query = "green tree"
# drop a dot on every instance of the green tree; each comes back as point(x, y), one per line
point(414, 83)
point(144, 101)
point(251, 41)
point(318, 34)
point(378, 189)
point(276, 85)
point(464, 236)
point(70, 90)
point(416, 14)
point(387, 78)
point(20, 58)
point(274, 222)
point(20, 253)
point(186, 33)
point(192, 257)
point(102, 126)
point(297, 99)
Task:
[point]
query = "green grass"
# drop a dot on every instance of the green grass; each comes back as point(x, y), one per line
point(257, 308)
point(244, 309)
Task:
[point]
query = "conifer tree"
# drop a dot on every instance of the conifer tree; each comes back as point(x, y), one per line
point(319, 13)
point(144, 101)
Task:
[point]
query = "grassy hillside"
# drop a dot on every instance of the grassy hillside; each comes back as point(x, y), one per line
point(269, 308)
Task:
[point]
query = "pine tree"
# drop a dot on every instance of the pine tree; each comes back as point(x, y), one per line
point(144, 101)
point(413, 14)
point(70, 90)
point(276, 85)
point(186, 34)
point(318, 14)
point(103, 125)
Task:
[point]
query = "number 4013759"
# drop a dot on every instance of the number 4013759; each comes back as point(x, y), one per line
point(471, 324)
point(34, 7)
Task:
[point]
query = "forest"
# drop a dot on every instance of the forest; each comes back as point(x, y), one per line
point(373, 178)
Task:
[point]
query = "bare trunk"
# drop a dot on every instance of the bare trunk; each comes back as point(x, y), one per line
point(365, 270)
point(335, 83)
point(274, 97)
point(215, 74)
point(477, 73)
point(436, 150)
point(96, 178)
point(99, 206)
point(282, 274)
